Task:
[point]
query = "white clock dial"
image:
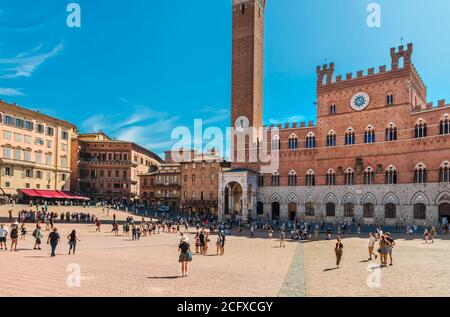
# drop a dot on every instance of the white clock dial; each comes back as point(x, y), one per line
point(242, 123)
point(360, 101)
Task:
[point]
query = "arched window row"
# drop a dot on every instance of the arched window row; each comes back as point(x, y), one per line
point(348, 178)
point(369, 136)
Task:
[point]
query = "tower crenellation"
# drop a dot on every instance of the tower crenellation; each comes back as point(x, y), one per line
point(325, 73)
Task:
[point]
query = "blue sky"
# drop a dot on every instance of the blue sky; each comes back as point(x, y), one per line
point(138, 70)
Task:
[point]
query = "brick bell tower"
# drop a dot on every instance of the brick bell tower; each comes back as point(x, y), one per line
point(248, 59)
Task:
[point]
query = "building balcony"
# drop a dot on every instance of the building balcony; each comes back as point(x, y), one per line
point(107, 162)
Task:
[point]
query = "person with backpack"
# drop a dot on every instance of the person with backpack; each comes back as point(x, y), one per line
point(37, 235)
point(14, 235)
point(185, 255)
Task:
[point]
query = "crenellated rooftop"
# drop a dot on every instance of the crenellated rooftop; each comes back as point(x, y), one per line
point(326, 80)
point(431, 106)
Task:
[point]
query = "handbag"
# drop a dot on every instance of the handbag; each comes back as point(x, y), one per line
point(189, 253)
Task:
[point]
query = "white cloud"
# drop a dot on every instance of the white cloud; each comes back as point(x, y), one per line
point(25, 63)
point(11, 92)
point(143, 125)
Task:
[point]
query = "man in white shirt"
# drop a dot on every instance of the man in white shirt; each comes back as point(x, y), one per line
point(3, 234)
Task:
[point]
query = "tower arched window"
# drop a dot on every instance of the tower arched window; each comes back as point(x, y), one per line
point(293, 142)
point(331, 178)
point(444, 172)
point(310, 141)
point(350, 137)
point(292, 178)
point(390, 99)
point(331, 139)
point(369, 176)
point(310, 179)
point(275, 179)
point(391, 175)
point(369, 135)
point(421, 129)
point(332, 109)
point(444, 126)
point(391, 133)
point(349, 177)
point(420, 174)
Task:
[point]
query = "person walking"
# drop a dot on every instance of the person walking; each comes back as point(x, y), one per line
point(218, 243)
point(37, 234)
point(97, 225)
point(339, 251)
point(383, 250)
point(23, 231)
point(14, 235)
point(372, 241)
point(201, 239)
point(3, 236)
point(282, 238)
point(222, 243)
point(270, 233)
point(433, 234)
point(426, 236)
point(390, 243)
point(72, 237)
point(185, 257)
point(53, 240)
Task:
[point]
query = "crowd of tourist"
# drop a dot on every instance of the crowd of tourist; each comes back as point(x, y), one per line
point(380, 245)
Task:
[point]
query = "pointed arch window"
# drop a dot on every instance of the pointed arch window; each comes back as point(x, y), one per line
point(331, 139)
point(421, 129)
point(391, 133)
point(292, 178)
point(420, 174)
point(310, 141)
point(444, 172)
point(391, 175)
point(444, 126)
point(349, 177)
point(331, 178)
point(369, 135)
point(350, 137)
point(275, 179)
point(293, 142)
point(369, 176)
point(310, 179)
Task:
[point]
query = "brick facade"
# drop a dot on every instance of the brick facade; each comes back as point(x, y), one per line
point(108, 170)
point(374, 130)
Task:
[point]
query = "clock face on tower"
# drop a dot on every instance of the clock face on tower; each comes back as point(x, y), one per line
point(360, 101)
point(242, 123)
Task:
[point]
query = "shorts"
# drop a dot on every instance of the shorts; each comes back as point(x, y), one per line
point(38, 241)
point(3, 239)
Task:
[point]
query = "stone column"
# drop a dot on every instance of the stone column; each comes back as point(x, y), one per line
point(284, 212)
point(244, 207)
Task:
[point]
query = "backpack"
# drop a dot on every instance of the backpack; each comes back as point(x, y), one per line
point(184, 247)
point(34, 233)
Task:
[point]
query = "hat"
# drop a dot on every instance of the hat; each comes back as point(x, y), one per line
point(184, 239)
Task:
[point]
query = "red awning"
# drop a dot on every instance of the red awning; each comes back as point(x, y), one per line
point(54, 194)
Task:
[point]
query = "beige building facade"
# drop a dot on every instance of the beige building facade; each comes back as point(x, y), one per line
point(35, 151)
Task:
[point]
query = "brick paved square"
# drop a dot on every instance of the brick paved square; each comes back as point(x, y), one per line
point(118, 266)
